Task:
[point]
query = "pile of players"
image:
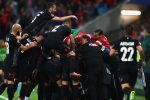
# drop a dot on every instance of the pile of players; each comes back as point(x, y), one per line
point(68, 66)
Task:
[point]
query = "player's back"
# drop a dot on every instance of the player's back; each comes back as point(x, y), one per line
point(126, 48)
point(91, 53)
point(11, 49)
point(57, 34)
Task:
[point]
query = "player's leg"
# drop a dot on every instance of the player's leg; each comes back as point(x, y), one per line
point(23, 80)
point(124, 77)
point(41, 91)
point(64, 82)
point(31, 86)
point(3, 86)
point(23, 90)
point(92, 84)
point(76, 90)
point(65, 53)
point(10, 75)
point(133, 79)
point(75, 77)
point(56, 83)
point(10, 89)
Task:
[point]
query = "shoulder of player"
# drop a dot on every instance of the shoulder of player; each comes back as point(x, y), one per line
point(46, 12)
point(11, 37)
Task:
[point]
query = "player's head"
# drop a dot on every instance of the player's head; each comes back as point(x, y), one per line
point(51, 7)
point(85, 39)
point(129, 30)
point(16, 29)
point(97, 33)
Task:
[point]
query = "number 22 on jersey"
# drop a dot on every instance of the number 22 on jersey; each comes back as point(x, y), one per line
point(127, 53)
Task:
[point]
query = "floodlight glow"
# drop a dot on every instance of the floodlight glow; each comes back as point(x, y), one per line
point(130, 12)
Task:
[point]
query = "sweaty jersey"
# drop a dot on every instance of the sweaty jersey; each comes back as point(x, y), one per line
point(41, 18)
point(126, 48)
point(11, 50)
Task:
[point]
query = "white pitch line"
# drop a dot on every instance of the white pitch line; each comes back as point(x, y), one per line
point(4, 98)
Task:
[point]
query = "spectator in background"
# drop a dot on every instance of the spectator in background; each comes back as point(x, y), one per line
point(146, 47)
point(101, 7)
point(5, 25)
point(80, 14)
point(90, 11)
point(110, 3)
point(141, 33)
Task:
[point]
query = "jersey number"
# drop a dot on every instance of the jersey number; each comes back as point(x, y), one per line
point(125, 51)
point(7, 47)
point(55, 28)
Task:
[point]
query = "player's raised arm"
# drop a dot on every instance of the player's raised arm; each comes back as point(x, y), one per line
point(31, 45)
point(64, 18)
point(52, 9)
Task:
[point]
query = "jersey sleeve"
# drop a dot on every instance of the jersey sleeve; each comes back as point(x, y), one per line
point(98, 43)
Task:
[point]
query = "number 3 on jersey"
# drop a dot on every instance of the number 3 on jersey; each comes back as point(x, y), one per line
point(127, 51)
point(7, 48)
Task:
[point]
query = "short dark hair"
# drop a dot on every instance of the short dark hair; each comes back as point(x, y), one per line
point(129, 30)
point(86, 37)
point(50, 4)
point(99, 31)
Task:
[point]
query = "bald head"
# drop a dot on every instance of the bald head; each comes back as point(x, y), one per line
point(16, 28)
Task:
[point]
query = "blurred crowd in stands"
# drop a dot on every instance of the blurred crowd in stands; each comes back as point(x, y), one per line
point(140, 25)
point(12, 11)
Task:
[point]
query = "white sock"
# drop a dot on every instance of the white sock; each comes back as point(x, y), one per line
point(27, 98)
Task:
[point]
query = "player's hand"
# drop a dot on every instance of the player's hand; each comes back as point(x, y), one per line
point(143, 63)
point(71, 53)
point(74, 17)
point(24, 36)
point(75, 74)
point(33, 44)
